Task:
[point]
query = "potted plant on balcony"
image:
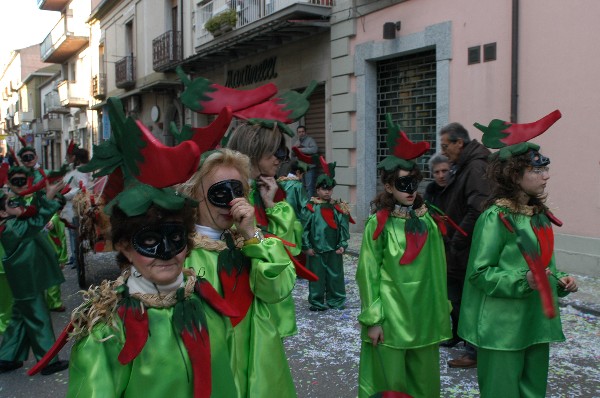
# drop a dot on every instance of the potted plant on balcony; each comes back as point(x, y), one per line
point(221, 23)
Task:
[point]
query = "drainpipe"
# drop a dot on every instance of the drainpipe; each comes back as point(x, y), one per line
point(514, 67)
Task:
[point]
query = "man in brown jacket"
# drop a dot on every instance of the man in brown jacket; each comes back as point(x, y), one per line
point(462, 200)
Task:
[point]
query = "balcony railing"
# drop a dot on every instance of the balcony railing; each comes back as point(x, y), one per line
point(166, 50)
point(52, 124)
point(72, 94)
point(66, 39)
point(98, 89)
point(52, 104)
point(125, 72)
point(248, 11)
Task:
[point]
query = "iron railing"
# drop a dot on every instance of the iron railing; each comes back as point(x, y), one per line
point(125, 72)
point(167, 50)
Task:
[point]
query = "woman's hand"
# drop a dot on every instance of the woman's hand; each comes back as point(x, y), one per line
point(54, 188)
point(267, 187)
point(310, 252)
point(375, 333)
point(570, 285)
point(243, 217)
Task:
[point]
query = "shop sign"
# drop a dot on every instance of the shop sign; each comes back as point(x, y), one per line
point(251, 74)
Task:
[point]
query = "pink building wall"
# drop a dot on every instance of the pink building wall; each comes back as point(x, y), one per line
point(558, 69)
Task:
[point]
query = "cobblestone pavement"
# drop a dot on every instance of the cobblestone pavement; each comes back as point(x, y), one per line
point(324, 354)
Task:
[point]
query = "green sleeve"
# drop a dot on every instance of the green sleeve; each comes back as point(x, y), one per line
point(368, 276)
point(273, 276)
point(307, 219)
point(491, 240)
point(20, 229)
point(344, 230)
point(284, 224)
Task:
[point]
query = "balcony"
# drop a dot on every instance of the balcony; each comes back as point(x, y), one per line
point(261, 25)
point(52, 5)
point(72, 94)
point(23, 117)
point(166, 51)
point(66, 39)
point(52, 104)
point(99, 86)
point(52, 124)
point(125, 72)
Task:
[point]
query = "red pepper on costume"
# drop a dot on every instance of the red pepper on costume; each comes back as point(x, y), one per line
point(203, 96)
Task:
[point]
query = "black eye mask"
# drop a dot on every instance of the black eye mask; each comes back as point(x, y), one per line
point(223, 192)
point(18, 181)
point(406, 184)
point(537, 159)
point(28, 157)
point(281, 154)
point(163, 241)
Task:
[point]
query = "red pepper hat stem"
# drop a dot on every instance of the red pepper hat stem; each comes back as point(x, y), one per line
point(71, 147)
point(402, 149)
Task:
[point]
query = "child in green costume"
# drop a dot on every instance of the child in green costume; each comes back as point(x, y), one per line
point(58, 239)
point(509, 307)
point(401, 276)
point(325, 239)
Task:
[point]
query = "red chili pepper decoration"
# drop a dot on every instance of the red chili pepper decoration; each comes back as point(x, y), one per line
point(285, 109)
point(401, 147)
point(338, 208)
point(310, 207)
point(499, 133)
point(197, 344)
point(534, 262)
point(203, 96)
point(308, 159)
point(506, 223)
point(415, 232)
point(553, 219)
point(301, 270)
point(4, 167)
point(543, 231)
point(208, 137)
point(28, 211)
point(329, 216)
point(236, 289)
point(382, 217)
point(214, 299)
point(60, 342)
point(439, 220)
point(444, 217)
point(135, 322)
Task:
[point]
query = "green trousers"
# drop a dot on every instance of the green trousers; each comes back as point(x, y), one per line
point(6, 302)
point(30, 327)
point(518, 374)
point(53, 297)
point(412, 371)
point(330, 290)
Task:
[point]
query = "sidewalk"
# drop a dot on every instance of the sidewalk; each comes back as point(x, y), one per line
point(587, 299)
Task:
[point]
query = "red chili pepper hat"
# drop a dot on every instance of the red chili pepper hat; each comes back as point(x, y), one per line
point(512, 138)
point(402, 150)
point(25, 147)
point(71, 148)
point(327, 178)
point(140, 165)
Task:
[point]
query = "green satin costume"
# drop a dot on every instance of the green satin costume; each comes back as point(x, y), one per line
point(162, 368)
point(6, 298)
point(257, 354)
point(411, 305)
point(58, 239)
point(31, 267)
point(500, 311)
point(295, 194)
point(330, 290)
point(284, 224)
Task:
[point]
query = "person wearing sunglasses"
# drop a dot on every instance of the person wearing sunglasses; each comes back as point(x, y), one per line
point(265, 146)
point(29, 274)
point(401, 278)
point(251, 272)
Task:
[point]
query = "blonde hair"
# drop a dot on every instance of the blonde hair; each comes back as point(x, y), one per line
point(220, 158)
point(255, 141)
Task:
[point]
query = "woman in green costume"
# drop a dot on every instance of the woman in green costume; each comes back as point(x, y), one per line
point(152, 332)
point(401, 276)
point(511, 287)
point(274, 216)
point(250, 271)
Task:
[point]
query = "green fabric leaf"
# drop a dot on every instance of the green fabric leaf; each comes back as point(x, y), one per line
point(391, 163)
point(137, 199)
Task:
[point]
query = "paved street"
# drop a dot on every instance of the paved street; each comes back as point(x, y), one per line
point(324, 354)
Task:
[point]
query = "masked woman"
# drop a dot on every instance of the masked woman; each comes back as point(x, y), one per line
point(251, 272)
point(274, 216)
point(512, 284)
